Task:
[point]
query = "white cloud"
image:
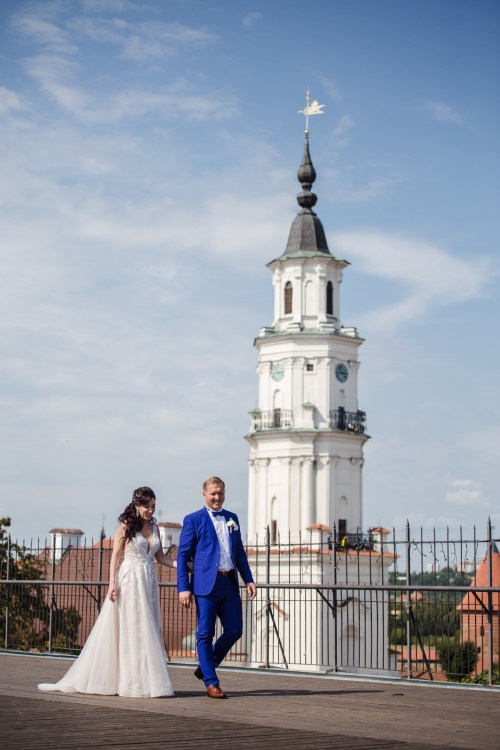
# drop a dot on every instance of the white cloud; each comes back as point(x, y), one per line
point(329, 86)
point(144, 40)
point(465, 492)
point(111, 6)
point(251, 19)
point(344, 124)
point(340, 140)
point(30, 23)
point(9, 100)
point(443, 112)
point(179, 99)
point(432, 277)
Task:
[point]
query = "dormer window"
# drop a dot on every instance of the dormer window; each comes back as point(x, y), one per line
point(288, 298)
point(329, 298)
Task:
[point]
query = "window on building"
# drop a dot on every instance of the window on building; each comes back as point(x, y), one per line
point(329, 298)
point(309, 367)
point(274, 532)
point(288, 298)
point(342, 528)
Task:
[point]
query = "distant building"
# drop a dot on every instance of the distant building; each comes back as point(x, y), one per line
point(62, 539)
point(306, 458)
point(474, 617)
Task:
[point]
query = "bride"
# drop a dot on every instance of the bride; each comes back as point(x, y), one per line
point(124, 654)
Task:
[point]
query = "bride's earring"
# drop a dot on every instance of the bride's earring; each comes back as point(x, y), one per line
point(137, 511)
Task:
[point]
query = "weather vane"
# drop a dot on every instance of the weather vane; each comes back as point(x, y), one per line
point(311, 109)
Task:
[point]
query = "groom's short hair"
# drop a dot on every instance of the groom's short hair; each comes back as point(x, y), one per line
point(213, 480)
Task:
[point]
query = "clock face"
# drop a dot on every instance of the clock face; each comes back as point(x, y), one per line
point(341, 373)
point(277, 371)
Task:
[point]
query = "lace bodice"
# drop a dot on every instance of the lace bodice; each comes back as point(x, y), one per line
point(137, 548)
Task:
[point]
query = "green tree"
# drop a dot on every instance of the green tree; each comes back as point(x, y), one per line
point(483, 678)
point(458, 658)
point(25, 608)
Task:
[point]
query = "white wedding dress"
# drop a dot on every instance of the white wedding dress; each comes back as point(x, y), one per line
point(124, 653)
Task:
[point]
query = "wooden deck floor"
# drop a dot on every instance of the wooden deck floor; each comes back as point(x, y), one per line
point(264, 711)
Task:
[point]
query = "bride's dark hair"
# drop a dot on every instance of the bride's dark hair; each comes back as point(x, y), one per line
point(130, 517)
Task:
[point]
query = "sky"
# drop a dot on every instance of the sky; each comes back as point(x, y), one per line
point(148, 173)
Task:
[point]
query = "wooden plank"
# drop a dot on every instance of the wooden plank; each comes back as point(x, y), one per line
point(38, 725)
point(423, 714)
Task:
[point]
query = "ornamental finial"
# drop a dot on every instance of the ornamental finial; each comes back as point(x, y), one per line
point(311, 109)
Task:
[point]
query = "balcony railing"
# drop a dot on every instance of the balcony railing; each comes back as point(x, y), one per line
point(352, 421)
point(275, 419)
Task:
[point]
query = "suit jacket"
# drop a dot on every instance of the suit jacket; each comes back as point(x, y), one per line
point(199, 543)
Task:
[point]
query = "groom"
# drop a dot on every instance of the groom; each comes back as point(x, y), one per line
point(211, 537)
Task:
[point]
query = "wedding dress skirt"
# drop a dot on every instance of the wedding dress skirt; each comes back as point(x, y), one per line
point(124, 654)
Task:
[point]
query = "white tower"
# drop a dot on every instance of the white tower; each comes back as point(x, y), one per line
point(307, 435)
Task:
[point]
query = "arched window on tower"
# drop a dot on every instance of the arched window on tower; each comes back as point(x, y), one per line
point(329, 298)
point(288, 298)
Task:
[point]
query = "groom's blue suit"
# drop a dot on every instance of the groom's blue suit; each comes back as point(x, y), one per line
point(216, 595)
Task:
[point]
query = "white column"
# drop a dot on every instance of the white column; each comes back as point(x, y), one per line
point(298, 389)
point(333, 499)
point(278, 295)
point(307, 500)
point(284, 506)
point(323, 390)
point(262, 512)
point(298, 302)
point(323, 490)
point(251, 501)
point(295, 497)
point(356, 503)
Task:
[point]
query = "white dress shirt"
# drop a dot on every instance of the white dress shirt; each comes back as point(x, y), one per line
point(222, 531)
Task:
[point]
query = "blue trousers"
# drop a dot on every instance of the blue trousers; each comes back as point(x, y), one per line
point(223, 602)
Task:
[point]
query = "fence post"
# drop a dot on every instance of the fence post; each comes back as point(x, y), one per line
point(335, 624)
point(52, 597)
point(268, 590)
point(7, 595)
point(99, 578)
point(408, 602)
point(490, 604)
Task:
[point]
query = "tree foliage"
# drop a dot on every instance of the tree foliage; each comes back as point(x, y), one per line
point(458, 658)
point(25, 608)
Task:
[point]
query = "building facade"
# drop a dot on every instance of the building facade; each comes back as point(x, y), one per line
point(305, 505)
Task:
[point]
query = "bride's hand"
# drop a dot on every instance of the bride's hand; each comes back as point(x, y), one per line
point(112, 592)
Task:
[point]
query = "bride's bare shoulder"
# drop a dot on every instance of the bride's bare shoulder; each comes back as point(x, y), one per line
point(120, 532)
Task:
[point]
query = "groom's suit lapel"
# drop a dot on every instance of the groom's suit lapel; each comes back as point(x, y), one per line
point(208, 522)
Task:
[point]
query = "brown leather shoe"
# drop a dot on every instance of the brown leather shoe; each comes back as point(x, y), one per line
point(198, 673)
point(214, 691)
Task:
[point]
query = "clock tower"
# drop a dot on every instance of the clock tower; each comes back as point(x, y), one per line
point(307, 434)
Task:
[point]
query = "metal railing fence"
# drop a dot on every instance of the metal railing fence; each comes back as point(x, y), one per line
point(415, 608)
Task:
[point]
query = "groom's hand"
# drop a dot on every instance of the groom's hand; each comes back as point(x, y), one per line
point(185, 598)
point(251, 591)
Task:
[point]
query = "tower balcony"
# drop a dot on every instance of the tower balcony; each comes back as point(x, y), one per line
point(351, 421)
point(275, 419)
point(282, 419)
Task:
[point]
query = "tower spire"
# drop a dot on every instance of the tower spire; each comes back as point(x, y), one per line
point(307, 236)
point(306, 176)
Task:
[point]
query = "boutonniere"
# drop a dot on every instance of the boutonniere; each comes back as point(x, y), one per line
point(232, 525)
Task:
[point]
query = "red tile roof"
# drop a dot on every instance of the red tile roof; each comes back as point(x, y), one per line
point(469, 602)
